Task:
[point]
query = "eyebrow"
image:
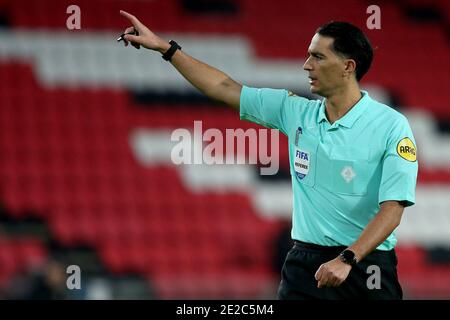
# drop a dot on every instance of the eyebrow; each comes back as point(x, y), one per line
point(315, 53)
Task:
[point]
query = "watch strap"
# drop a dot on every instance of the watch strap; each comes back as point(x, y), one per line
point(171, 51)
point(347, 256)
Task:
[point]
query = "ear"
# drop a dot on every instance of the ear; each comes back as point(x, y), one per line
point(349, 67)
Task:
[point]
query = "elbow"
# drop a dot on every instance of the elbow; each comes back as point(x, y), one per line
point(228, 91)
point(216, 90)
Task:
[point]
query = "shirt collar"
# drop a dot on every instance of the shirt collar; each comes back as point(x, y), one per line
point(352, 115)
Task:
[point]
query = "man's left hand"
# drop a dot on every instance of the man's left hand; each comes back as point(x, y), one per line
point(332, 273)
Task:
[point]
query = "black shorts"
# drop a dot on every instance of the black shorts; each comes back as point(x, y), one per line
point(303, 260)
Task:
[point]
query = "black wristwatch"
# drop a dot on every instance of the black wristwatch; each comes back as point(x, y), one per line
point(348, 256)
point(171, 51)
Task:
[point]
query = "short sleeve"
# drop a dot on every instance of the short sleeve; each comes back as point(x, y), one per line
point(400, 166)
point(265, 107)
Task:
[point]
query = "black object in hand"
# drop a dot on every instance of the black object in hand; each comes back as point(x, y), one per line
point(134, 32)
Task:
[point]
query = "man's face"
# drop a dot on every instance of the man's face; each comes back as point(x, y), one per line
point(325, 68)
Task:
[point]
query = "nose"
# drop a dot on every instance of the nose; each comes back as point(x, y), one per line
point(307, 65)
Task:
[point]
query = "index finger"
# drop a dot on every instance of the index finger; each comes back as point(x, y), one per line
point(319, 272)
point(130, 17)
point(322, 283)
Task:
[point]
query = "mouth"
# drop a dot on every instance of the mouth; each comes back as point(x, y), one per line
point(312, 80)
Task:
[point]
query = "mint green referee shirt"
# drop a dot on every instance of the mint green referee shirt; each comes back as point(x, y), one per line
point(341, 172)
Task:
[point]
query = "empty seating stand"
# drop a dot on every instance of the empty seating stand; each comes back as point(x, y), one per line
point(19, 256)
point(66, 158)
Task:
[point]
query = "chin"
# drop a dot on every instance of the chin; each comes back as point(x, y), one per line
point(314, 90)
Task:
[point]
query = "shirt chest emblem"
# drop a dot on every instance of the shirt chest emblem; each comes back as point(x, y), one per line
point(348, 174)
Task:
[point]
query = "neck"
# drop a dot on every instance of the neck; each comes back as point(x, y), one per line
point(341, 101)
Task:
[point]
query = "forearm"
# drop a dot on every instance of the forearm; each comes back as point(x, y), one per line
point(381, 226)
point(210, 81)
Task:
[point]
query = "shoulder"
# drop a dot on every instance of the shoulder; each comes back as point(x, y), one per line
point(387, 115)
point(296, 101)
point(285, 97)
point(392, 127)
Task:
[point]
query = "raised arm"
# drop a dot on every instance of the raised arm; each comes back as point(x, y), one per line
point(210, 81)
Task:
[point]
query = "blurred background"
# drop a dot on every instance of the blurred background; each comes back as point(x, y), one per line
point(86, 177)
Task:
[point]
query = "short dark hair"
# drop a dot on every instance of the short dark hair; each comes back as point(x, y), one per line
point(350, 42)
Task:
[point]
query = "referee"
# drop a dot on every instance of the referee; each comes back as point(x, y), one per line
point(352, 159)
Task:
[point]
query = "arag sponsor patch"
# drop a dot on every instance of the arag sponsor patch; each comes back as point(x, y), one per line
point(407, 150)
